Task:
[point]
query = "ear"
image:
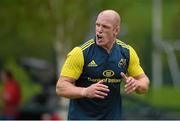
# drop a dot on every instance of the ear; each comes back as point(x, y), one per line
point(117, 30)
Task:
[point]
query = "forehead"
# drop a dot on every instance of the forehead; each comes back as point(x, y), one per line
point(105, 19)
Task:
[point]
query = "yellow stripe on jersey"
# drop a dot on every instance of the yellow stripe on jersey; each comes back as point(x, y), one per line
point(74, 63)
point(134, 68)
point(87, 43)
point(119, 42)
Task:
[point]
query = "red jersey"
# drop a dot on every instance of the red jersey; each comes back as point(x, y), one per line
point(12, 97)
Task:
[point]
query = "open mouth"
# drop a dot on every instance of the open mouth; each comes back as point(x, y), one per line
point(99, 37)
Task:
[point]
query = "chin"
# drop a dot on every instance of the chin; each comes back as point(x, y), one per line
point(100, 43)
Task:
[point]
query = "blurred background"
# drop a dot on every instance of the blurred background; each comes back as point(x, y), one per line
point(36, 35)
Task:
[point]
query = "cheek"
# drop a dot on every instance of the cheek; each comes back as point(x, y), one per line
point(109, 34)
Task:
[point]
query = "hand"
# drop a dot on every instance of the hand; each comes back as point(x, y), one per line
point(131, 84)
point(97, 90)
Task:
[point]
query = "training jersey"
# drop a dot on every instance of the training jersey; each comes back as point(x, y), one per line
point(90, 63)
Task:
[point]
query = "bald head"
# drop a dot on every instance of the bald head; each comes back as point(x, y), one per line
point(107, 28)
point(112, 15)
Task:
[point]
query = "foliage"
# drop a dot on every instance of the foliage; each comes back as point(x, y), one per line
point(30, 27)
point(171, 18)
point(25, 30)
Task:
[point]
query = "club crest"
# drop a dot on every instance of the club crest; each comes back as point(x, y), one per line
point(122, 63)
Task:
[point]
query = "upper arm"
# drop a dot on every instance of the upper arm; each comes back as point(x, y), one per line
point(134, 68)
point(73, 65)
point(67, 79)
point(141, 76)
point(64, 80)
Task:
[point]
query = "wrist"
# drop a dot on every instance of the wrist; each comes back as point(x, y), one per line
point(138, 86)
point(83, 92)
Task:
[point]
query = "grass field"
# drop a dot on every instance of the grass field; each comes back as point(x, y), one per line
point(166, 97)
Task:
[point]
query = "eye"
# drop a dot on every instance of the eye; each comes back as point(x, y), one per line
point(106, 27)
point(97, 24)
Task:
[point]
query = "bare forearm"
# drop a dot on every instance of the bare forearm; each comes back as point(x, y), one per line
point(143, 85)
point(68, 90)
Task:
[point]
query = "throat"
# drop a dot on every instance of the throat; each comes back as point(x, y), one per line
point(109, 48)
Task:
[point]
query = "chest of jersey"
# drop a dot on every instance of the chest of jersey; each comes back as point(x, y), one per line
point(102, 65)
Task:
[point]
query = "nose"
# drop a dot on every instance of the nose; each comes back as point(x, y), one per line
point(99, 29)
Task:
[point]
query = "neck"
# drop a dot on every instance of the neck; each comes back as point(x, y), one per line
point(109, 47)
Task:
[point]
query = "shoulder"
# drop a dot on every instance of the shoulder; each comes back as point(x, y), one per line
point(87, 44)
point(75, 51)
point(122, 44)
point(125, 46)
point(79, 51)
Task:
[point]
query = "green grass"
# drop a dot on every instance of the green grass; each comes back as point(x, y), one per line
point(168, 97)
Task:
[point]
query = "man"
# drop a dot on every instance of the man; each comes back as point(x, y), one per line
point(11, 95)
point(92, 73)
